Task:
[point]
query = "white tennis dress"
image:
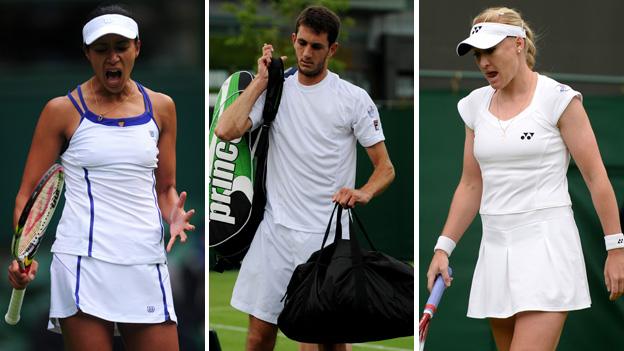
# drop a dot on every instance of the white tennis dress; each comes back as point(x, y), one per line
point(530, 256)
point(109, 258)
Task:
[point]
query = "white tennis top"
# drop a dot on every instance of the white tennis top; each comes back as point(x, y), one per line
point(312, 151)
point(111, 211)
point(523, 160)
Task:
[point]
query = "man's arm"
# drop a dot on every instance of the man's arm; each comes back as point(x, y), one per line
point(383, 175)
point(235, 121)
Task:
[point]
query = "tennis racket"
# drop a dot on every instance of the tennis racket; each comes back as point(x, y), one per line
point(31, 226)
point(430, 307)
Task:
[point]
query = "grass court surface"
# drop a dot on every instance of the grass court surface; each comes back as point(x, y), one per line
point(231, 324)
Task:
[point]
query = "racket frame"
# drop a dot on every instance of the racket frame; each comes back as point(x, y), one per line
point(25, 257)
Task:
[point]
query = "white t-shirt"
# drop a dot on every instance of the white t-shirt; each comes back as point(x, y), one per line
point(523, 160)
point(312, 148)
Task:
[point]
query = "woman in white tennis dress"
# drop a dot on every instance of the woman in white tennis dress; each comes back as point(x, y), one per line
point(520, 132)
point(116, 141)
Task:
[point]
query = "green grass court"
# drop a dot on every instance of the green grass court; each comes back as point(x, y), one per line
point(231, 325)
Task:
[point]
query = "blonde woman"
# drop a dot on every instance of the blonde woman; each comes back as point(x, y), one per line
point(520, 132)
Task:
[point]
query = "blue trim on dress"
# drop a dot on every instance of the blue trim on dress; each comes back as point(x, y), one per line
point(78, 283)
point(73, 101)
point(162, 228)
point(143, 118)
point(92, 210)
point(162, 289)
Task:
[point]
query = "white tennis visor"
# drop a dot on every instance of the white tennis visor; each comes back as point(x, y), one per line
point(486, 35)
point(109, 24)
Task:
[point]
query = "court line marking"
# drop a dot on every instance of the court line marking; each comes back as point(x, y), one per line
point(279, 334)
point(222, 308)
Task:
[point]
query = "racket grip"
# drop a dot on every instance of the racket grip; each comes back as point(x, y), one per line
point(12, 316)
point(438, 289)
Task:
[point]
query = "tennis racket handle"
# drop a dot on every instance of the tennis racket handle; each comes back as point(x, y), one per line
point(15, 306)
point(438, 289)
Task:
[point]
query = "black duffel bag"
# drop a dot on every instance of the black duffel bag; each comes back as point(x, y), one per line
point(346, 294)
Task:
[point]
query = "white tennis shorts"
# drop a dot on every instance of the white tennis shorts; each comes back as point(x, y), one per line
point(266, 270)
point(113, 292)
point(529, 262)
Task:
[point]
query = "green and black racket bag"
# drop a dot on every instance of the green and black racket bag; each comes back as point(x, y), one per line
point(237, 171)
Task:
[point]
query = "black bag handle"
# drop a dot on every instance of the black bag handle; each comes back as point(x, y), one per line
point(329, 227)
point(338, 235)
point(274, 90)
point(356, 254)
point(359, 222)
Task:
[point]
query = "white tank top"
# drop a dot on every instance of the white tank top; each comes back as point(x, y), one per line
point(523, 160)
point(111, 210)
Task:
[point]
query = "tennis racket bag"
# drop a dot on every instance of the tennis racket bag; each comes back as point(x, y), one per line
point(237, 172)
point(346, 294)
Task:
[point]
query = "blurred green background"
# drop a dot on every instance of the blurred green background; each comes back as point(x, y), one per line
point(42, 58)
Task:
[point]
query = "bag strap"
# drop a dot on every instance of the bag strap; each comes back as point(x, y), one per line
point(359, 222)
point(356, 251)
point(273, 91)
point(356, 254)
point(327, 230)
point(357, 266)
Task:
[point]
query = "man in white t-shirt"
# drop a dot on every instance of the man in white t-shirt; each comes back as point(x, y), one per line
point(311, 163)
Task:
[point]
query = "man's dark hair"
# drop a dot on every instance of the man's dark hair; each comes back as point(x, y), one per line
point(321, 20)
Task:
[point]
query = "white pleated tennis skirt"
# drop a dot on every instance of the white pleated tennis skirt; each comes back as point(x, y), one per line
point(113, 292)
point(529, 261)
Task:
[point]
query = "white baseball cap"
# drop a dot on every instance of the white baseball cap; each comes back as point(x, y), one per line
point(486, 35)
point(109, 24)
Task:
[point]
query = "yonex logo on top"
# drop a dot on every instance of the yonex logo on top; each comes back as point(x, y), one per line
point(527, 135)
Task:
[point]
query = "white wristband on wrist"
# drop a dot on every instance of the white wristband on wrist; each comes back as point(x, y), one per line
point(445, 244)
point(614, 241)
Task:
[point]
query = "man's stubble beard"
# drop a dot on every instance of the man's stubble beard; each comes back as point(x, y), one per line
point(315, 72)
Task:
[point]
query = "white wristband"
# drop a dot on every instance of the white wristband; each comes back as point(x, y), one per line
point(445, 244)
point(614, 241)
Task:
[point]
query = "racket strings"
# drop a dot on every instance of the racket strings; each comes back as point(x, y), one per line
point(39, 208)
point(40, 214)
